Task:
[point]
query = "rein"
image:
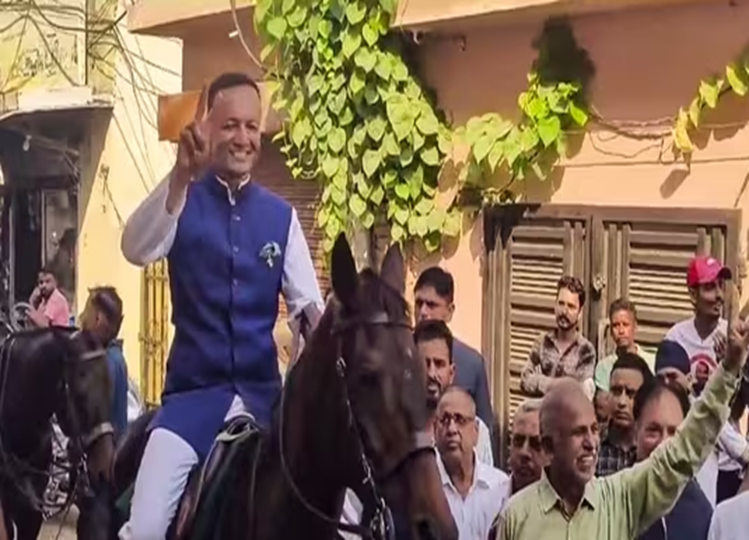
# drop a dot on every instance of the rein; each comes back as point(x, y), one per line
point(15, 470)
point(379, 527)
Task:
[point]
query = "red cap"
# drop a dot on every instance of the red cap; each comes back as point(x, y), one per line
point(706, 270)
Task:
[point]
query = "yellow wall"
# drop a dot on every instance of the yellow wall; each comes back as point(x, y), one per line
point(124, 161)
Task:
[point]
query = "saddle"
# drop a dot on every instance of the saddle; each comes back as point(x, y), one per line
point(204, 500)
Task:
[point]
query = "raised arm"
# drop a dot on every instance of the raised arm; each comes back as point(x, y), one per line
point(150, 230)
point(651, 487)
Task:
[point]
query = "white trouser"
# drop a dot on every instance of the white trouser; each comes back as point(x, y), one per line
point(162, 477)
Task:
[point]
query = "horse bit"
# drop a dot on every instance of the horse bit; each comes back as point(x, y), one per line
point(380, 523)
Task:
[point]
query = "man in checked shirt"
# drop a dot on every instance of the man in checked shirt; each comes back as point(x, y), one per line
point(563, 352)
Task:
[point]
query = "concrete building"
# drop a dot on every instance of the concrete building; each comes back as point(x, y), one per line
point(78, 146)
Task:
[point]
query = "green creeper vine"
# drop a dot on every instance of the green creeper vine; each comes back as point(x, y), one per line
point(356, 119)
point(554, 102)
point(735, 79)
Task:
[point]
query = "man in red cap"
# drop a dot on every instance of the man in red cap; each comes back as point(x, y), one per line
point(706, 277)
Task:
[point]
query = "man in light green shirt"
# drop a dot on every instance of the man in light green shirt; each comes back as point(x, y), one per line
point(569, 504)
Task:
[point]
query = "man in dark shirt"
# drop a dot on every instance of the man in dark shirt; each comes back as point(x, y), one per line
point(434, 295)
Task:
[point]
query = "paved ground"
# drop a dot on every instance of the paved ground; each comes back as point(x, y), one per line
point(51, 529)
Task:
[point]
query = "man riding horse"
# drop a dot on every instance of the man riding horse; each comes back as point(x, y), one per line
point(232, 247)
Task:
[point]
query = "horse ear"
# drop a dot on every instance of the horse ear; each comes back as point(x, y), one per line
point(393, 272)
point(343, 275)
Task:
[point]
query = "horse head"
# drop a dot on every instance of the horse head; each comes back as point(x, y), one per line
point(84, 410)
point(385, 388)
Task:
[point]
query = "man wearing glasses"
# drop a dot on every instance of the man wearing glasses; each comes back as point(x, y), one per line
point(470, 486)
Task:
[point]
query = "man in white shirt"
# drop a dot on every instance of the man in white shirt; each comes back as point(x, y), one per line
point(469, 485)
point(706, 278)
point(731, 517)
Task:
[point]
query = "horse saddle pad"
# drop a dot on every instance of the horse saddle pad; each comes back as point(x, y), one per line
point(205, 502)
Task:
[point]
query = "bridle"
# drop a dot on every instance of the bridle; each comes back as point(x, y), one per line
point(379, 525)
point(13, 469)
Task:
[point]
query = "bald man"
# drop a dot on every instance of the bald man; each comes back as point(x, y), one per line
point(568, 502)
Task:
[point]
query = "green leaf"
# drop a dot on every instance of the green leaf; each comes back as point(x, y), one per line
point(428, 123)
point(389, 178)
point(371, 162)
point(376, 127)
point(355, 13)
point(403, 191)
point(346, 117)
point(287, 5)
point(299, 132)
point(388, 6)
point(549, 129)
point(400, 71)
point(377, 195)
point(695, 111)
point(365, 59)
point(322, 216)
point(406, 156)
point(363, 186)
point(417, 140)
point(495, 155)
point(415, 178)
point(367, 220)
point(424, 206)
point(371, 95)
point(339, 197)
point(430, 156)
point(396, 231)
point(435, 220)
point(357, 205)
point(482, 147)
point(370, 34)
point(297, 17)
point(579, 116)
point(325, 28)
point(384, 67)
point(390, 145)
point(400, 115)
point(337, 140)
point(357, 82)
point(682, 141)
point(277, 27)
point(431, 242)
point(330, 166)
point(736, 77)
point(710, 92)
point(350, 43)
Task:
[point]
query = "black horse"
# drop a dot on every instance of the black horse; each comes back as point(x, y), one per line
point(46, 372)
point(352, 413)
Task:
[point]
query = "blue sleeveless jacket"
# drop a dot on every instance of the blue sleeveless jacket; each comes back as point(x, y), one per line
point(225, 270)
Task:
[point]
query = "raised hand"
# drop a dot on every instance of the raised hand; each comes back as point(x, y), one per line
point(738, 341)
point(193, 146)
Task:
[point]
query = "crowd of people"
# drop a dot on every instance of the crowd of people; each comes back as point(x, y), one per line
point(618, 428)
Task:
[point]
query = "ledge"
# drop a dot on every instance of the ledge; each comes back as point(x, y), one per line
point(168, 17)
